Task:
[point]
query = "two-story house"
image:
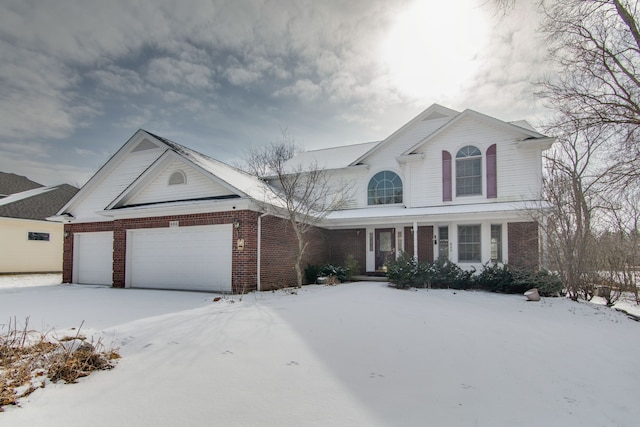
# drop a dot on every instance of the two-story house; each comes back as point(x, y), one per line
point(448, 184)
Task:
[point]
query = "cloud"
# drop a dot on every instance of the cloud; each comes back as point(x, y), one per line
point(72, 69)
point(304, 89)
point(174, 72)
point(118, 79)
point(240, 76)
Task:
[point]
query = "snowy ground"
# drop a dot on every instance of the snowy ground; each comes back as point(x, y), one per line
point(357, 354)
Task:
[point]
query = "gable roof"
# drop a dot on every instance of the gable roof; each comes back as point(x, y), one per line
point(330, 158)
point(237, 181)
point(434, 112)
point(11, 183)
point(38, 203)
point(234, 178)
point(520, 127)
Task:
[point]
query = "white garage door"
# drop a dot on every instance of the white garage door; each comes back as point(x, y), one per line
point(189, 258)
point(93, 258)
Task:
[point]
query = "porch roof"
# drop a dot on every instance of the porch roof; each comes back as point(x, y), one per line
point(399, 214)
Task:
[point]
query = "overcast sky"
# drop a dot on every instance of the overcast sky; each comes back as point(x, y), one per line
point(79, 77)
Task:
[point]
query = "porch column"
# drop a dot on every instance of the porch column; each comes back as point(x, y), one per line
point(415, 240)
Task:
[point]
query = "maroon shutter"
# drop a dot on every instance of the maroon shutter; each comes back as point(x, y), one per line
point(446, 177)
point(492, 174)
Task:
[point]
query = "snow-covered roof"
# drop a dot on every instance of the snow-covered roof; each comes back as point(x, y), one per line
point(37, 203)
point(330, 158)
point(24, 195)
point(528, 131)
point(246, 183)
point(432, 213)
point(523, 124)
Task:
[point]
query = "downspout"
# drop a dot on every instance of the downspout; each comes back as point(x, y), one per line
point(415, 240)
point(260, 248)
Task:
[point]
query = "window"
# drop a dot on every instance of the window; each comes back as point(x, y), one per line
point(469, 243)
point(468, 171)
point(496, 242)
point(38, 236)
point(443, 243)
point(385, 188)
point(177, 178)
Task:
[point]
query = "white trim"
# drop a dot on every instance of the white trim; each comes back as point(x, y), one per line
point(177, 208)
point(259, 282)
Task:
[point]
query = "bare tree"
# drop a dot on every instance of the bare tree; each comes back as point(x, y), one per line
point(619, 247)
point(594, 90)
point(594, 48)
point(573, 186)
point(303, 193)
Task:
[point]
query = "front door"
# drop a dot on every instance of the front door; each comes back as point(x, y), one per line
point(385, 247)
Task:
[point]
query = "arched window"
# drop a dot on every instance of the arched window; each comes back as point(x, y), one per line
point(385, 188)
point(468, 171)
point(177, 178)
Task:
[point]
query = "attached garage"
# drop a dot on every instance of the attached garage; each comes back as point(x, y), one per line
point(93, 258)
point(195, 258)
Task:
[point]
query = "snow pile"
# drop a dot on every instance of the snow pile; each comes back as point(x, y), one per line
point(353, 354)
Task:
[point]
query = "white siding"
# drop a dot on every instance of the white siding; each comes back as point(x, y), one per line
point(385, 156)
point(517, 167)
point(197, 186)
point(112, 185)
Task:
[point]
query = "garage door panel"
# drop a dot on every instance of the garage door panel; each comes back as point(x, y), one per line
point(93, 258)
point(190, 258)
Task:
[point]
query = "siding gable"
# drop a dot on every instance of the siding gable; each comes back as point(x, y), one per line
point(112, 182)
point(156, 187)
point(516, 175)
point(385, 156)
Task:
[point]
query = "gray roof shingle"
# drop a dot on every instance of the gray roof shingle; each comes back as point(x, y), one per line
point(40, 205)
point(11, 183)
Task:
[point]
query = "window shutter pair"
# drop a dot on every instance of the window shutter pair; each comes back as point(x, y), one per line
point(491, 170)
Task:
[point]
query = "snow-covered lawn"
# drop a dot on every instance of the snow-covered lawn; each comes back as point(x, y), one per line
point(358, 354)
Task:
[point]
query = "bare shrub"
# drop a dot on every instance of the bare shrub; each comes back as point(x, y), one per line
point(28, 358)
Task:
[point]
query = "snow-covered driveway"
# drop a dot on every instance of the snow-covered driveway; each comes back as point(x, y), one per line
point(357, 354)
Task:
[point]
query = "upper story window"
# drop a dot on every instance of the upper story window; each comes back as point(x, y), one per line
point(469, 171)
point(177, 178)
point(384, 188)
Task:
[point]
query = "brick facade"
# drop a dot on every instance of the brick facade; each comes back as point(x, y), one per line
point(523, 245)
point(279, 248)
point(349, 242)
point(425, 242)
point(244, 263)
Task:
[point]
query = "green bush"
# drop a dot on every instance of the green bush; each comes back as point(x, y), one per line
point(508, 280)
point(548, 284)
point(352, 265)
point(495, 278)
point(311, 273)
point(333, 270)
point(446, 274)
point(403, 272)
point(406, 272)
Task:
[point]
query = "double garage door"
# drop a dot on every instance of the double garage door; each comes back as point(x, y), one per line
point(186, 258)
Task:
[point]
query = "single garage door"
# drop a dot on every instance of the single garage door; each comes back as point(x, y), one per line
point(93, 258)
point(190, 258)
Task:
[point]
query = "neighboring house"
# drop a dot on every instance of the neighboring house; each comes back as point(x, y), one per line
point(445, 185)
point(11, 183)
point(30, 243)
